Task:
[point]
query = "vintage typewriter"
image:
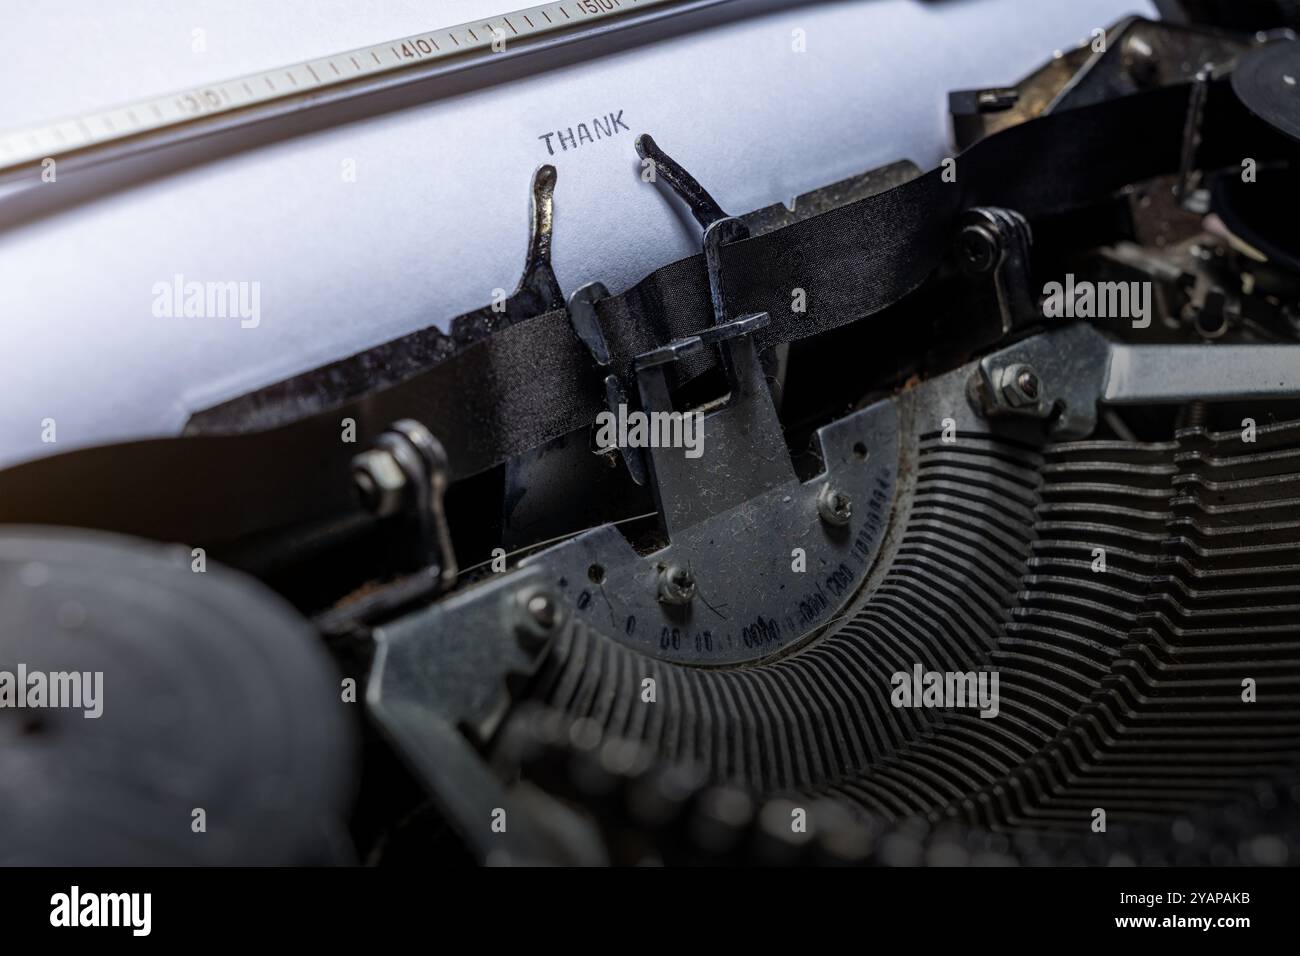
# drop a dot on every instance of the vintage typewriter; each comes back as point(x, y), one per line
point(946, 513)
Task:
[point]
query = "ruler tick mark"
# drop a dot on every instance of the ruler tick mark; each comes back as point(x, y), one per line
point(241, 93)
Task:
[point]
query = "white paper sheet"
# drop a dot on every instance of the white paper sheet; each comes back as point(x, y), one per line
point(436, 219)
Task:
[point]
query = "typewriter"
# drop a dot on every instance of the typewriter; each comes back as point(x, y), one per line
point(887, 454)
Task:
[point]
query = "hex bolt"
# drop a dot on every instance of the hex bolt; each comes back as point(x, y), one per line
point(538, 614)
point(835, 507)
point(1021, 386)
point(676, 585)
point(1028, 384)
point(379, 481)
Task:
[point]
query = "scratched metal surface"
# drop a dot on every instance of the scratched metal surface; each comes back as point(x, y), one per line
point(436, 217)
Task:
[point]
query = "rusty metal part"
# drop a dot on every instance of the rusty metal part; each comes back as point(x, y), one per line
point(1136, 54)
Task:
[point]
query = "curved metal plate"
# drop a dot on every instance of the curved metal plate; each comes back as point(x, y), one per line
point(752, 600)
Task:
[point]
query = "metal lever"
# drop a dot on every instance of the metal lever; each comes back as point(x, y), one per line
point(586, 323)
point(720, 229)
point(1061, 376)
point(703, 207)
point(404, 477)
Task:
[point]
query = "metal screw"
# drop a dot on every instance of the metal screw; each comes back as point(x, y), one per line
point(997, 100)
point(676, 585)
point(1021, 386)
point(979, 249)
point(835, 507)
point(538, 613)
point(1140, 61)
point(1028, 384)
point(380, 481)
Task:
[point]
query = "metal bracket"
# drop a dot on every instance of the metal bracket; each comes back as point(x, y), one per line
point(743, 451)
point(719, 230)
point(404, 478)
point(997, 242)
point(439, 685)
point(747, 455)
point(1061, 376)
